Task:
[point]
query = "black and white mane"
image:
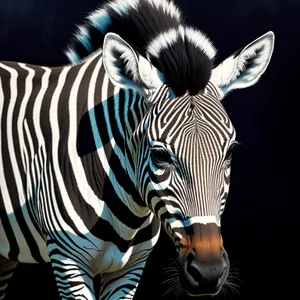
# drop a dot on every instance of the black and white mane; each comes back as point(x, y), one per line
point(155, 29)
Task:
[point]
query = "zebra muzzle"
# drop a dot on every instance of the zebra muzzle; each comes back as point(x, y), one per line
point(203, 260)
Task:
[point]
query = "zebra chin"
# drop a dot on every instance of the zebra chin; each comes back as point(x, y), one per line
point(202, 260)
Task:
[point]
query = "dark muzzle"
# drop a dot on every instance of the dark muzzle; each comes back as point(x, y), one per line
point(204, 277)
point(202, 259)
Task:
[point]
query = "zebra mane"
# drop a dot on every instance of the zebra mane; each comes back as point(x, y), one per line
point(155, 29)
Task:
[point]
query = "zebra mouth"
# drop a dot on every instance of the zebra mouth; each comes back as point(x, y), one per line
point(187, 276)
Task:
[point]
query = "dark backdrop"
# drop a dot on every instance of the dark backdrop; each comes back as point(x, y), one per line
point(261, 221)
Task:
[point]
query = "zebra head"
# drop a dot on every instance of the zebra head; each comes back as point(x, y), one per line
point(182, 147)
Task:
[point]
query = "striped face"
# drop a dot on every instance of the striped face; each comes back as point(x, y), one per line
point(187, 149)
point(184, 175)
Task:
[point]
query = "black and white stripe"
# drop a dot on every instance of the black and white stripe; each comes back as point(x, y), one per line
point(95, 155)
point(185, 156)
point(55, 204)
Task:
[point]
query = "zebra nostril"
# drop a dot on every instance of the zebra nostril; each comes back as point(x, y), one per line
point(194, 273)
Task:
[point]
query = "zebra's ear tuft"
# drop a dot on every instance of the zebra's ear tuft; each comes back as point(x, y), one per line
point(126, 68)
point(244, 68)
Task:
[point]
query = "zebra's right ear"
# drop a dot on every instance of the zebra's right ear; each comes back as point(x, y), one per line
point(127, 69)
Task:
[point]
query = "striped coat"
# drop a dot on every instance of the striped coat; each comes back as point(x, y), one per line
point(95, 155)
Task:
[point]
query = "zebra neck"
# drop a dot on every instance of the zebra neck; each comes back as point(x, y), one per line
point(107, 118)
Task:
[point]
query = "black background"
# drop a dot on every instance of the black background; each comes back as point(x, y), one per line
point(261, 222)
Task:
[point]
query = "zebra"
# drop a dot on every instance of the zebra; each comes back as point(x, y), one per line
point(131, 135)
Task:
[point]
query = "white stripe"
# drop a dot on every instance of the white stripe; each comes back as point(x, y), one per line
point(24, 101)
point(195, 220)
point(79, 172)
point(37, 106)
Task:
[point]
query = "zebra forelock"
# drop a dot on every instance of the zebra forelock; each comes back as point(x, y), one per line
point(169, 38)
point(155, 30)
point(119, 16)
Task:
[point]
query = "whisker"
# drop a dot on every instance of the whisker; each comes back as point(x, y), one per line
point(233, 277)
point(236, 284)
point(170, 270)
point(232, 286)
point(168, 291)
point(172, 274)
point(170, 280)
point(233, 289)
point(224, 291)
point(178, 291)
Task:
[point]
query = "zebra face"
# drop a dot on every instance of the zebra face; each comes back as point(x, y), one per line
point(189, 148)
point(181, 150)
point(184, 174)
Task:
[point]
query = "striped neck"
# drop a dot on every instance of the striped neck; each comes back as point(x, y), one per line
point(107, 119)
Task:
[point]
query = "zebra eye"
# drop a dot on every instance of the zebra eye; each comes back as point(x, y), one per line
point(230, 151)
point(229, 154)
point(160, 156)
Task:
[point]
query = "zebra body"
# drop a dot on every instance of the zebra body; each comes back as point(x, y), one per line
point(44, 158)
point(95, 155)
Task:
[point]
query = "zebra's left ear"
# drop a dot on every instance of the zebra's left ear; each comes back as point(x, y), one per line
point(125, 68)
point(244, 68)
